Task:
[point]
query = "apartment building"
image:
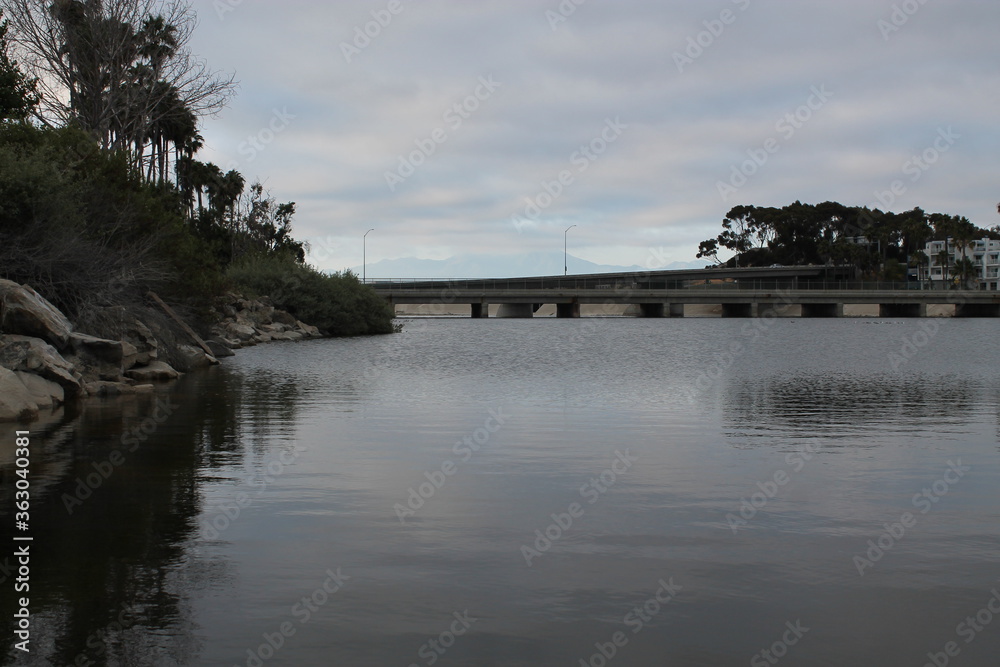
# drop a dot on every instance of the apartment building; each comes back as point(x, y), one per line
point(985, 255)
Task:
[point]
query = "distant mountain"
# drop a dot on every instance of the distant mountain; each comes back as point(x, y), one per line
point(497, 266)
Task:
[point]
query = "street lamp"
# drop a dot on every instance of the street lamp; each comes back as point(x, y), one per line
point(364, 256)
point(565, 255)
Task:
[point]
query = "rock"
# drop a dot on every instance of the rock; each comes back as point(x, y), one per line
point(97, 358)
point(281, 317)
point(219, 349)
point(273, 328)
point(157, 371)
point(294, 335)
point(142, 339)
point(264, 338)
point(308, 329)
point(104, 389)
point(191, 357)
point(130, 355)
point(241, 332)
point(33, 355)
point(23, 311)
point(45, 393)
point(16, 402)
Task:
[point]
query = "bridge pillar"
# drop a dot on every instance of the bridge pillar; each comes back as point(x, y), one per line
point(480, 311)
point(822, 310)
point(516, 310)
point(902, 310)
point(738, 309)
point(977, 310)
point(652, 310)
point(676, 310)
point(567, 310)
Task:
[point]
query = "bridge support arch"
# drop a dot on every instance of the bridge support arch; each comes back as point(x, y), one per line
point(675, 309)
point(652, 310)
point(822, 310)
point(739, 309)
point(902, 310)
point(516, 310)
point(567, 310)
point(480, 311)
point(977, 310)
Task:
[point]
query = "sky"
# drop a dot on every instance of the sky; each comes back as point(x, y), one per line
point(490, 127)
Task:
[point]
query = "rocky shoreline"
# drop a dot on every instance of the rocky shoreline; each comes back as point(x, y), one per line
point(46, 363)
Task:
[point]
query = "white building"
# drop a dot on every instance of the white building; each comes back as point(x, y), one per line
point(985, 255)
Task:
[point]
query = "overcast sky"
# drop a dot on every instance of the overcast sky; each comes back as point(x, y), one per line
point(656, 116)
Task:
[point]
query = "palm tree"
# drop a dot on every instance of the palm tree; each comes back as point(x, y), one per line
point(944, 261)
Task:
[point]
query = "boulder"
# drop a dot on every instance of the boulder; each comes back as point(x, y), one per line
point(241, 332)
point(274, 327)
point(281, 317)
point(33, 355)
point(264, 338)
point(157, 371)
point(220, 348)
point(97, 358)
point(308, 329)
point(25, 312)
point(104, 389)
point(45, 393)
point(145, 343)
point(190, 357)
point(130, 355)
point(16, 402)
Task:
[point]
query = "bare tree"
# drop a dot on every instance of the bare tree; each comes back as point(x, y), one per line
point(120, 69)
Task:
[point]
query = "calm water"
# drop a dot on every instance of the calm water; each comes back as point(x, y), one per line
point(376, 501)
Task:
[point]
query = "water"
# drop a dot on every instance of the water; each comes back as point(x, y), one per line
point(290, 498)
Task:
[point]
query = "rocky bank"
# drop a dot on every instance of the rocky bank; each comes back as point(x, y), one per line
point(45, 362)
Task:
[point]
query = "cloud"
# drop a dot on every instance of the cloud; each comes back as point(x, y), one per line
point(686, 130)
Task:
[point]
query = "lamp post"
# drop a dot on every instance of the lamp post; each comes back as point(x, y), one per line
point(364, 256)
point(565, 253)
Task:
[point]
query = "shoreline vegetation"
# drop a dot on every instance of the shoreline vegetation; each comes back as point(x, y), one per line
point(104, 202)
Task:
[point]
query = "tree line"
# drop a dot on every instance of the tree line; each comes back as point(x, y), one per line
point(880, 244)
point(102, 195)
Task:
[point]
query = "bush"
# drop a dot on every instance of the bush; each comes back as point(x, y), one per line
point(338, 304)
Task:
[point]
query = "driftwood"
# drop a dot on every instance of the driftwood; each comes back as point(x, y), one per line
point(170, 312)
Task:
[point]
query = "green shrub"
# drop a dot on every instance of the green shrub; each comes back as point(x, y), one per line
point(338, 304)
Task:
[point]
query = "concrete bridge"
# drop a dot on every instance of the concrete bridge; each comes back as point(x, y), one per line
point(770, 292)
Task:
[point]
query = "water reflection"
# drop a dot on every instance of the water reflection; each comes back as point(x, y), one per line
point(116, 492)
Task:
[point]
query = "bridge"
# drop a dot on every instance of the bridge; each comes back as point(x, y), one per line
point(815, 291)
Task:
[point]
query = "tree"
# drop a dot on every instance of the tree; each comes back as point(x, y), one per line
point(18, 94)
point(115, 68)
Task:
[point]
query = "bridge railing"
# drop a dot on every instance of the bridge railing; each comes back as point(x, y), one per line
point(599, 284)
